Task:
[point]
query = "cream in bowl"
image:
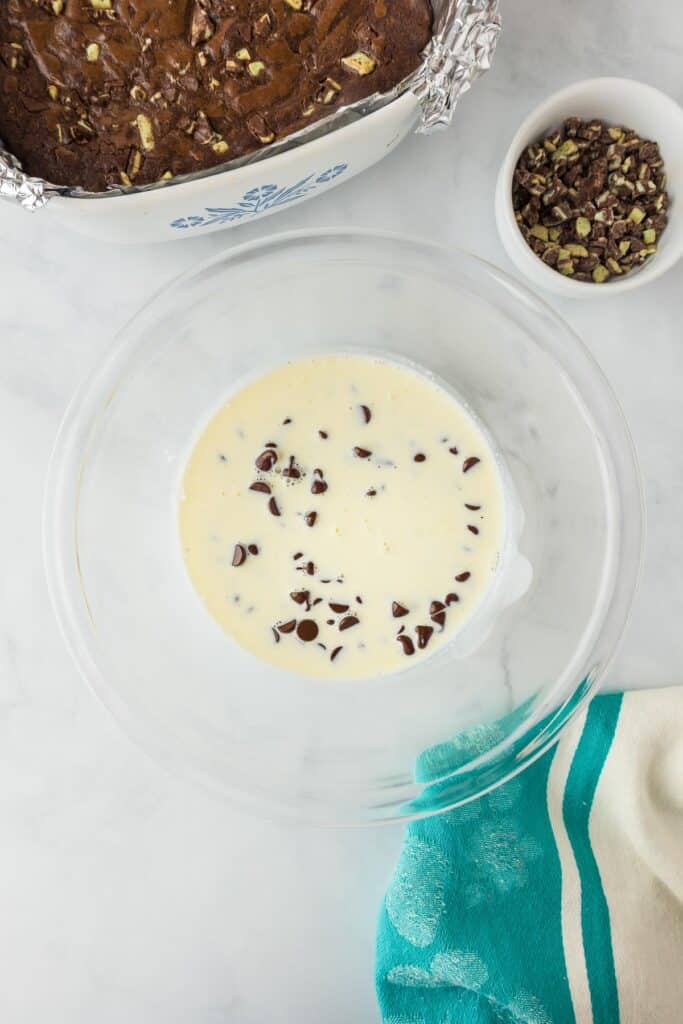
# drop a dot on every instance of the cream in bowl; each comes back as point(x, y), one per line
point(342, 516)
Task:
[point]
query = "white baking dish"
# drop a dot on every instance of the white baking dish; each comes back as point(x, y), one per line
point(205, 204)
point(464, 40)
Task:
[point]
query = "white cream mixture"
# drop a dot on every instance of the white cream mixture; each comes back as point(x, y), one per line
point(342, 516)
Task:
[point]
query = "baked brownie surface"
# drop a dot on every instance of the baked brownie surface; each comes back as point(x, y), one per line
point(111, 92)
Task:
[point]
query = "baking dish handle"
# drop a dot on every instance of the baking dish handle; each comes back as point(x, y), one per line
point(460, 50)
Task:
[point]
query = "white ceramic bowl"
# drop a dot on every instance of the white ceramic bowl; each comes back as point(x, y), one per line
point(241, 194)
point(619, 101)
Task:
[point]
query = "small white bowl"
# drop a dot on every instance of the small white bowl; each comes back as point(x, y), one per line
point(619, 101)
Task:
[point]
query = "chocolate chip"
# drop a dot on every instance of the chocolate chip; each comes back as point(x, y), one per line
point(348, 621)
point(335, 652)
point(261, 486)
point(322, 647)
point(472, 508)
point(367, 415)
point(338, 608)
point(453, 450)
point(297, 556)
point(239, 555)
point(310, 568)
point(330, 622)
point(423, 635)
point(452, 598)
point(266, 460)
point(401, 630)
point(275, 634)
point(437, 613)
point(272, 507)
point(362, 453)
point(307, 630)
point(253, 549)
point(359, 599)
point(463, 576)
point(468, 463)
point(287, 627)
point(285, 422)
point(420, 457)
point(319, 486)
point(310, 518)
point(371, 493)
point(270, 444)
point(323, 434)
point(407, 645)
point(473, 529)
point(300, 596)
point(290, 471)
point(398, 610)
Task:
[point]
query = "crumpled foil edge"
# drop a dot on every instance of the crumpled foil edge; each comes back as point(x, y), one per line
point(461, 49)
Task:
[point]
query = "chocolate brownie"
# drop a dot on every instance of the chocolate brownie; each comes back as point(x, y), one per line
point(110, 92)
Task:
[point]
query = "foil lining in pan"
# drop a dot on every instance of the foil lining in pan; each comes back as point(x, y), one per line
point(461, 49)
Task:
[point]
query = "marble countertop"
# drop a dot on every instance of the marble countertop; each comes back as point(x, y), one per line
point(127, 895)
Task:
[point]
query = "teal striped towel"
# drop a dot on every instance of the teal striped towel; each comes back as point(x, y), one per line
point(557, 898)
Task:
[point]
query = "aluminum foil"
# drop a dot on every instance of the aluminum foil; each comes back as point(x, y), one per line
point(461, 49)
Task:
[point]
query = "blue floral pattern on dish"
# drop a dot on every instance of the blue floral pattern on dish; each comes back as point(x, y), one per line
point(258, 200)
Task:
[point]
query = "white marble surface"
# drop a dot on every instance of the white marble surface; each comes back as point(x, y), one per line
point(125, 895)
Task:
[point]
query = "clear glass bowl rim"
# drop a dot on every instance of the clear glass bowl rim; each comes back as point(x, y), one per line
point(490, 769)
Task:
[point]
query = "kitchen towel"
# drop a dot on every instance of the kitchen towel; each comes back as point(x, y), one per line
point(557, 898)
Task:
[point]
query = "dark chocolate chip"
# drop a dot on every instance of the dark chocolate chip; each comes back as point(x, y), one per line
point(420, 457)
point(338, 608)
point(275, 634)
point(307, 630)
point(472, 508)
point(239, 555)
point(330, 622)
point(473, 529)
point(322, 647)
point(437, 613)
point(310, 518)
point(261, 486)
point(371, 493)
point(318, 600)
point(362, 453)
point(310, 568)
point(319, 486)
point(453, 450)
point(266, 460)
point(323, 434)
point(463, 576)
point(398, 610)
point(298, 555)
point(348, 621)
point(468, 463)
point(300, 596)
point(359, 599)
point(272, 507)
point(407, 644)
point(285, 422)
point(335, 652)
point(367, 415)
point(452, 598)
point(423, 635)
point(287, 627)
point(290, 471)
point(401, 630)
point(270, 444)
point(253, 549)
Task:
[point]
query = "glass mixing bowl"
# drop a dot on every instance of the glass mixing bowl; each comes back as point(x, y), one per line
point(391, 748)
